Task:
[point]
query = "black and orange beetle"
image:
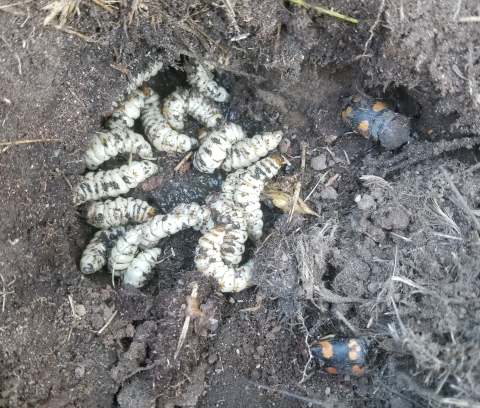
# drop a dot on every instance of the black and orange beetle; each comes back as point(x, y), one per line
point(373, 120)
point(342, 355)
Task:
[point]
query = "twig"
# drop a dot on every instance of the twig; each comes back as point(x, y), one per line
point(120, 68)
point(140, 369)
point(183, 335)
point(69, 31)
point(19, 142)
point(473, 168)
point(352, 328)
point(289, 394)
point(232, 15)
point(72, 305)
point(4, 295)
point(304, 157)
point(296, 194)
point(325, 11)
point(259, 299)
point(460, 198)
point(316, 185)
point(183, 161)
point(108, 322)
point(263, 243)
point(469, 19)
point(103, 5)
point(332, 180)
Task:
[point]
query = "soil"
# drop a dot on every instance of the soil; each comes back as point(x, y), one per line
point(393, 256)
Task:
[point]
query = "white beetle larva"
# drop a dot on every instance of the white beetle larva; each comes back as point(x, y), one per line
point(208, 260)
point(103, 146)
point(140, 270)
point(184, 102)
point(121, 211)
point(148, 234)
point(124, 251)
point(246, 152)
point(229, 216)
point(157, 130)
point(249, 184)
point(94, 256)
point(112, 183)
point(213, 150)
point(200, 79)
point(127, 110)
point(144, 76)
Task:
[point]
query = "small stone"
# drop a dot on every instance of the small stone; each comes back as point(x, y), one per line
point(366, 203)
point(212, 359)
point(80, 310)
point(260, 351)
point(327, 391)
point(329, 193)
point(284, 145)
point(358, 197)
point(319, 162)
point(346, 378)
point(80, 371)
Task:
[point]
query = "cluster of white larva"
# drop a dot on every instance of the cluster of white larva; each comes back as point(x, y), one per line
point(148, 234)
point(121, 211)
point(94, 255)
point(209, 261)
point(140, 270)
point(159, 132)
point(112, 183)
point(127, 110)
point(185, 102)
point(245, 186)
point(105, 145)
point(231, 218)
point(227, 220)
point(248, 151)
point(213, 149)
point(201, 79)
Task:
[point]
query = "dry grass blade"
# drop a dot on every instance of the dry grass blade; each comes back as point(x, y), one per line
point(369, 180)
point(443, 217)
point(61, 8)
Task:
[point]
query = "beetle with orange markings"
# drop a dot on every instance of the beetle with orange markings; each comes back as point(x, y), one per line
point(372, 119)
point(342, 355)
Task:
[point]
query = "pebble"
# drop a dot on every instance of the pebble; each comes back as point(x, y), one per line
point(284, 145)
point(319, 162)
point(329, 193)
point(366, 203)
point(79, 371)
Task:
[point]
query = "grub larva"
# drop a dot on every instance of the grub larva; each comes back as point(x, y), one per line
point(229, 216)
point(184, 102)
point(140, 270)
point(94, 256)
point(208, 260)
point(121, 211)
point(200, 79)
point(124, 251)
point(213, 150)
point(148, 234)
point(248, 151)
point(157, 130)
point(105, 145)
point(142, 77)
point(126, 111)
point(247, 185)
point(112, 183)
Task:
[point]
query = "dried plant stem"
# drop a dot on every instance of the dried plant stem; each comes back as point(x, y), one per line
point(20, 142)
point(325, 11)
point(186, 324)
point(108, 322)
point(183, 161)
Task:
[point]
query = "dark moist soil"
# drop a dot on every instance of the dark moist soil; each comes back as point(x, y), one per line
point(394, 259)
